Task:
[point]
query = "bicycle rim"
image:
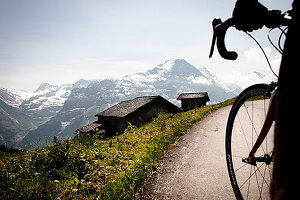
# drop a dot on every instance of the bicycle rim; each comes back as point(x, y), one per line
point(243, 127)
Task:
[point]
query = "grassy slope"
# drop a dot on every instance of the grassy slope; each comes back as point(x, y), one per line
point(89, 167)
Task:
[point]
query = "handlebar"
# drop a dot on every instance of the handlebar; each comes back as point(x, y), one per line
point(275, 19)
point(220, 29)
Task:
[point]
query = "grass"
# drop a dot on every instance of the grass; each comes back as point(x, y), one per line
point(91, 167)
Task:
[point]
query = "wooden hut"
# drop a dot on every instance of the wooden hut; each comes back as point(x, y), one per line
point(193, 100)
point(136, 111)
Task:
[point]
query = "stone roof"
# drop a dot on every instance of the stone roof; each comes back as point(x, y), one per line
point(89, 127)
point(124, 108)
point(199, 95)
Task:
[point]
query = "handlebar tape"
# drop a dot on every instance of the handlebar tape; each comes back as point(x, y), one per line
point(220, 31)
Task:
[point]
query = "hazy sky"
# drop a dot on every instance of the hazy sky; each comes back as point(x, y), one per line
point(61, 41)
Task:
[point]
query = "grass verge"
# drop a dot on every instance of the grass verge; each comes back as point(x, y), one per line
point(93, 168)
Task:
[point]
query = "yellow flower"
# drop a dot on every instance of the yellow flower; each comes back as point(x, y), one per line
point(25, 145)
point(30, 144)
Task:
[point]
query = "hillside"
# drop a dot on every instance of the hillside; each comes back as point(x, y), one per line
point(91, 167)
point(168, 80)
point(38, 108)
point(14, 124)
point(61, 109)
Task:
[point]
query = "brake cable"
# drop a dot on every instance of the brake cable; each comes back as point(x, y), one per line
point(279, 48)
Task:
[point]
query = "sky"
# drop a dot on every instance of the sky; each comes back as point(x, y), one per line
point(62, 41)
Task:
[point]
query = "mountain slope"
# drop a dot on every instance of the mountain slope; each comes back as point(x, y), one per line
point(46, 101)
point(12, 97)
point(169, 79)
point(14, 124)
point(174, 77)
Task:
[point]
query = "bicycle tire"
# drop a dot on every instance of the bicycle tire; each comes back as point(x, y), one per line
point(236, 138)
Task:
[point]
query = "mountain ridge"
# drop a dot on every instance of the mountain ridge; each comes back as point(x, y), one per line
point(71, 106)
point(168, 80)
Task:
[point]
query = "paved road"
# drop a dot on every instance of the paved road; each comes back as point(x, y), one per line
point(195, 167)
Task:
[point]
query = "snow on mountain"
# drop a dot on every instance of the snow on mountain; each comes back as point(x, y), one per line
point(175, 76)
point(82, 83)
point(12, 97)
point(47, 96)
point(169, 79)
point(60, 110)
point(46, 101)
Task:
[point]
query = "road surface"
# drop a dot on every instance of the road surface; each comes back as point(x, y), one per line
point(195, 167)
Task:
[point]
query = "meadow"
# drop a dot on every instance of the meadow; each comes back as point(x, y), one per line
point(94, 166)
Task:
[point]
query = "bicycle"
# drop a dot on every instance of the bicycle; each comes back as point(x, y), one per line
point(249, 132)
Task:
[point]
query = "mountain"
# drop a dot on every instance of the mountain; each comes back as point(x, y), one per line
point(176, 76)
point(14, 124)
point(169, 79)
point(36, 107)
point(46, 102)
point(12, 97)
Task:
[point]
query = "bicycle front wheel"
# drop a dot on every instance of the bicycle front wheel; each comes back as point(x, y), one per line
point(245, 121)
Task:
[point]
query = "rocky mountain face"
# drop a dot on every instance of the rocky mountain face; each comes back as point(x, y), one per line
point(14, 124)
point(22, 112)
point(60, 110)
point(169, 79)
point(12, 97)
point(46, 102)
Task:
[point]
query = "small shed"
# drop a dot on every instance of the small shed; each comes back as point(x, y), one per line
point(136, 111)
point(94, 127)
point(193, 100)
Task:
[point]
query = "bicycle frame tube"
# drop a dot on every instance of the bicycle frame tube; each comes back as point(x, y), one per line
point(266, 127)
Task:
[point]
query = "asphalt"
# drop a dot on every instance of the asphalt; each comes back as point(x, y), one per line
point(195, 167)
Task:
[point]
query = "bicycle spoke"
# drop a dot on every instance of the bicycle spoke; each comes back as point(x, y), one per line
point(257, 182)
point(253, 127)
point(251, 174)
point(243, 132)
point(240, 167)
point(264, 180)
point(249, 183)
point(249, 180)
point(257, 185)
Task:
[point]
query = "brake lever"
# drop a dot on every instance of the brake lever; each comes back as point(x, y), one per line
point(215, 22)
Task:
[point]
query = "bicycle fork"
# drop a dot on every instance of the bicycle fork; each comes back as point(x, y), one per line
point(262, 135)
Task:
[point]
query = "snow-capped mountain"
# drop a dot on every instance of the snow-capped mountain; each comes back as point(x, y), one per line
point(60, 110)
point(169, 79)
point(12, 97)
point(46, 101)
point(174, 77)
point(23, 111)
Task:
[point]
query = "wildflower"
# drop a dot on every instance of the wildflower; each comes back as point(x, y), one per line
point(30, 144)
point(2, 164)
